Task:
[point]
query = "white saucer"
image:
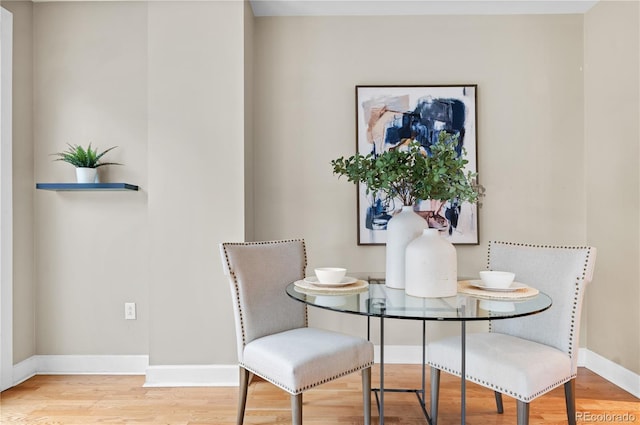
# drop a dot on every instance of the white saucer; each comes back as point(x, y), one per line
point(344, 282)
point(481, 285)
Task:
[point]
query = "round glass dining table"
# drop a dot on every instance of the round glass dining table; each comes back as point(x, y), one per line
point(379, 301)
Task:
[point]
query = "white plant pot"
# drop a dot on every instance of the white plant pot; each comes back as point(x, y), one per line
point(401, 229)
point(431, 266)
point(86, 175)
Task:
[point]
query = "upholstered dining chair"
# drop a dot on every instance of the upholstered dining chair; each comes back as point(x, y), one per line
point(525, 357)
point(273, 339)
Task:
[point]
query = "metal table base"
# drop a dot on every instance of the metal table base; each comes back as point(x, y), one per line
point(420, 393)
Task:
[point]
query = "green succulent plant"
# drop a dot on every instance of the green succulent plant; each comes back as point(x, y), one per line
point(80, 157)
point(409, 174)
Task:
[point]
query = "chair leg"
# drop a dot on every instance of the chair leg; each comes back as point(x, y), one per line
point(435, 392)
point(242, 400)
point(522, 409)
point(570, 400)
point(366, 394)
point(499, 405)
point(296, 409)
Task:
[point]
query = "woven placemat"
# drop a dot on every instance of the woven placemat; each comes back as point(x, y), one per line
point(309, 288)
point(464, 287)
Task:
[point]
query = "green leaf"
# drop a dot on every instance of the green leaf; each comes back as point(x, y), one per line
point(80, 157)
point(410, 174)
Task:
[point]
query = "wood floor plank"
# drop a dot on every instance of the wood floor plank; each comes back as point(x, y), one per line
point(88, 400)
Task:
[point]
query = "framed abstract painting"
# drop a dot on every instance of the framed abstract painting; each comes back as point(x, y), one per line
point(389, 116)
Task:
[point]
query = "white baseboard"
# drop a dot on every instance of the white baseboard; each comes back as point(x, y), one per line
point(399, 354)
point(80, 365)
point(25, 370)
point(227, 375)
point(612, 372)
point(192, 376)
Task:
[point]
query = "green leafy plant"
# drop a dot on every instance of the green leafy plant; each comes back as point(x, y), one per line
point(410, 174)
point(80, 157)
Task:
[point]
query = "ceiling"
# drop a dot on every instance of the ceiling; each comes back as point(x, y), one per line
point(416, 7)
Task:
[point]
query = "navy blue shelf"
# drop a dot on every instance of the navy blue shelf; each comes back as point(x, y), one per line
point(74, 187)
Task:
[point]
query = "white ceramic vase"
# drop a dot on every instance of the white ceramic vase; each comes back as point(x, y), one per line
point(401, 229)
point(86, 175)
point(431, 266)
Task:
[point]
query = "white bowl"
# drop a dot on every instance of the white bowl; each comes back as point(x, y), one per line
point(330, 274)
point(495, 279)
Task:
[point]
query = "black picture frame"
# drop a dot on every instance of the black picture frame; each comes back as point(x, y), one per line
point(387, 115)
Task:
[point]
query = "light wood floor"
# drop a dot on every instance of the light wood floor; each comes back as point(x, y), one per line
point(91, 400)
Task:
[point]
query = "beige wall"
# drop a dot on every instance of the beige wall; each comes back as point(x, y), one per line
point(24, 340)
point(530, 140)
point(203, 81)
point(196, 166)
point(90, 85)
point(612, 140)
point(163, 81)
point(249, 35)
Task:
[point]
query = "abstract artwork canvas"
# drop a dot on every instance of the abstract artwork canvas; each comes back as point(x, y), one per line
point(388, 116)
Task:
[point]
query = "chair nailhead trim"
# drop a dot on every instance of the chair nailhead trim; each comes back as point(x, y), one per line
point(306, 387)
point(235, 281)
point(579, 285)
point(486, 384)
point(236, 290)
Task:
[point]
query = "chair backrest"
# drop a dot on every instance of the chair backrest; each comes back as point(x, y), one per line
point(562, 272)
point(258, 273)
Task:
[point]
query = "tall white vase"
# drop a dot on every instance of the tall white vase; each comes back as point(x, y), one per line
point(431, 266)
point(401, 229)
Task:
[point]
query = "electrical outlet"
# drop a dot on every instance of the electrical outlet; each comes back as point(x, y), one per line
point(130, 311)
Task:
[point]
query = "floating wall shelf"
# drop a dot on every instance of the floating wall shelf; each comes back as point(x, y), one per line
point(74, 187)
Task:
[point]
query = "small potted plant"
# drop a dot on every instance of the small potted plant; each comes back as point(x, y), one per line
point(86, 161)
point(411, 172)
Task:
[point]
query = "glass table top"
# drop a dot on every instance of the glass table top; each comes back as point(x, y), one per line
point(381, 301)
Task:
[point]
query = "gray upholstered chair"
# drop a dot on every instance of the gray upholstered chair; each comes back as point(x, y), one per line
point(273, 339)
point(526, 357)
